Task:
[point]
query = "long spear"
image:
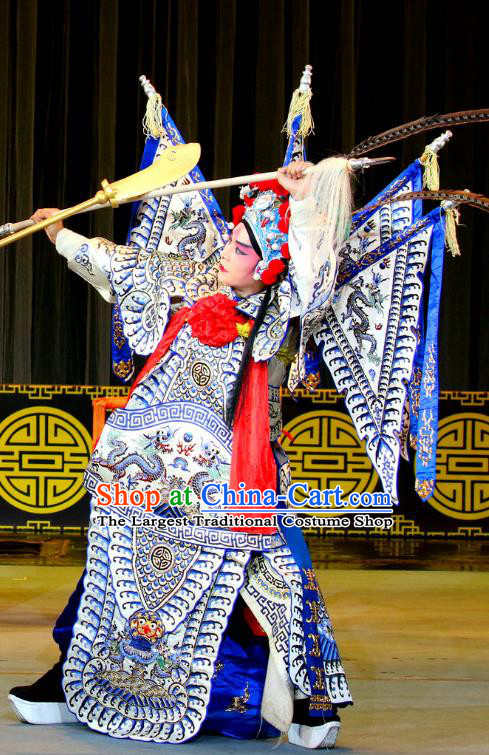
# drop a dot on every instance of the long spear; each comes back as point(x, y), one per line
point(174, 163)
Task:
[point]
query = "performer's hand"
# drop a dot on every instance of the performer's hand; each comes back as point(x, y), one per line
point(52, 230)
point(293, 179)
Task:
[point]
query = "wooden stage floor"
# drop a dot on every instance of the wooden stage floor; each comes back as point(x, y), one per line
point(415, 644)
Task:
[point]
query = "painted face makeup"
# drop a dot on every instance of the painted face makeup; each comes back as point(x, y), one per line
point(238, 262)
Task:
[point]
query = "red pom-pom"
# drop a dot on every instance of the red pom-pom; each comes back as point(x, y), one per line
point(283, 209)
point(248, 201)
point(238, 213)
point(268, 277)
point(213, 320)
point(276, 266)
point(283, 225)
point(272, 185)
point(284, 251)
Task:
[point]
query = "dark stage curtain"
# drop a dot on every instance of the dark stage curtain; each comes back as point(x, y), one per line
point(72, 109)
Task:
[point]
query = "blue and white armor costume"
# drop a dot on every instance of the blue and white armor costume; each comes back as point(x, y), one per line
point(158, 650)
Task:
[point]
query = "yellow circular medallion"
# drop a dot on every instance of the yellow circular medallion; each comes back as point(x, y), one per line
point(462, 467)
point(326, 452)
point(43, 454)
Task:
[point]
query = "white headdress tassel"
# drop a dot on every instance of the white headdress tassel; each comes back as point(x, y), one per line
point(330, 186)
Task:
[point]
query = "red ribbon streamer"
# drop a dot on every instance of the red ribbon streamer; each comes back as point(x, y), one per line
point(252, 460)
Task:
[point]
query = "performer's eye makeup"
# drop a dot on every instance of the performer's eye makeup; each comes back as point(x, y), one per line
point(242, 248)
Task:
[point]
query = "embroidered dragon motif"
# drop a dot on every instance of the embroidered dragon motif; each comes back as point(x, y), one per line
point(359, 327)
point(183, 219)
point(150, 467)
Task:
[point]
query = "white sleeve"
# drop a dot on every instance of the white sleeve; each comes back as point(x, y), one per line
point(312, 262)
point(90, 258)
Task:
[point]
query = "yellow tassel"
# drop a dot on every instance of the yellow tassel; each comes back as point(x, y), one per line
point(152, 123)
point(300, 105)
point(451, 223)
point(431, 175)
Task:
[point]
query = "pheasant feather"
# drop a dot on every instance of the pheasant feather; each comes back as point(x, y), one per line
point(479, 201)
point(426, 123)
